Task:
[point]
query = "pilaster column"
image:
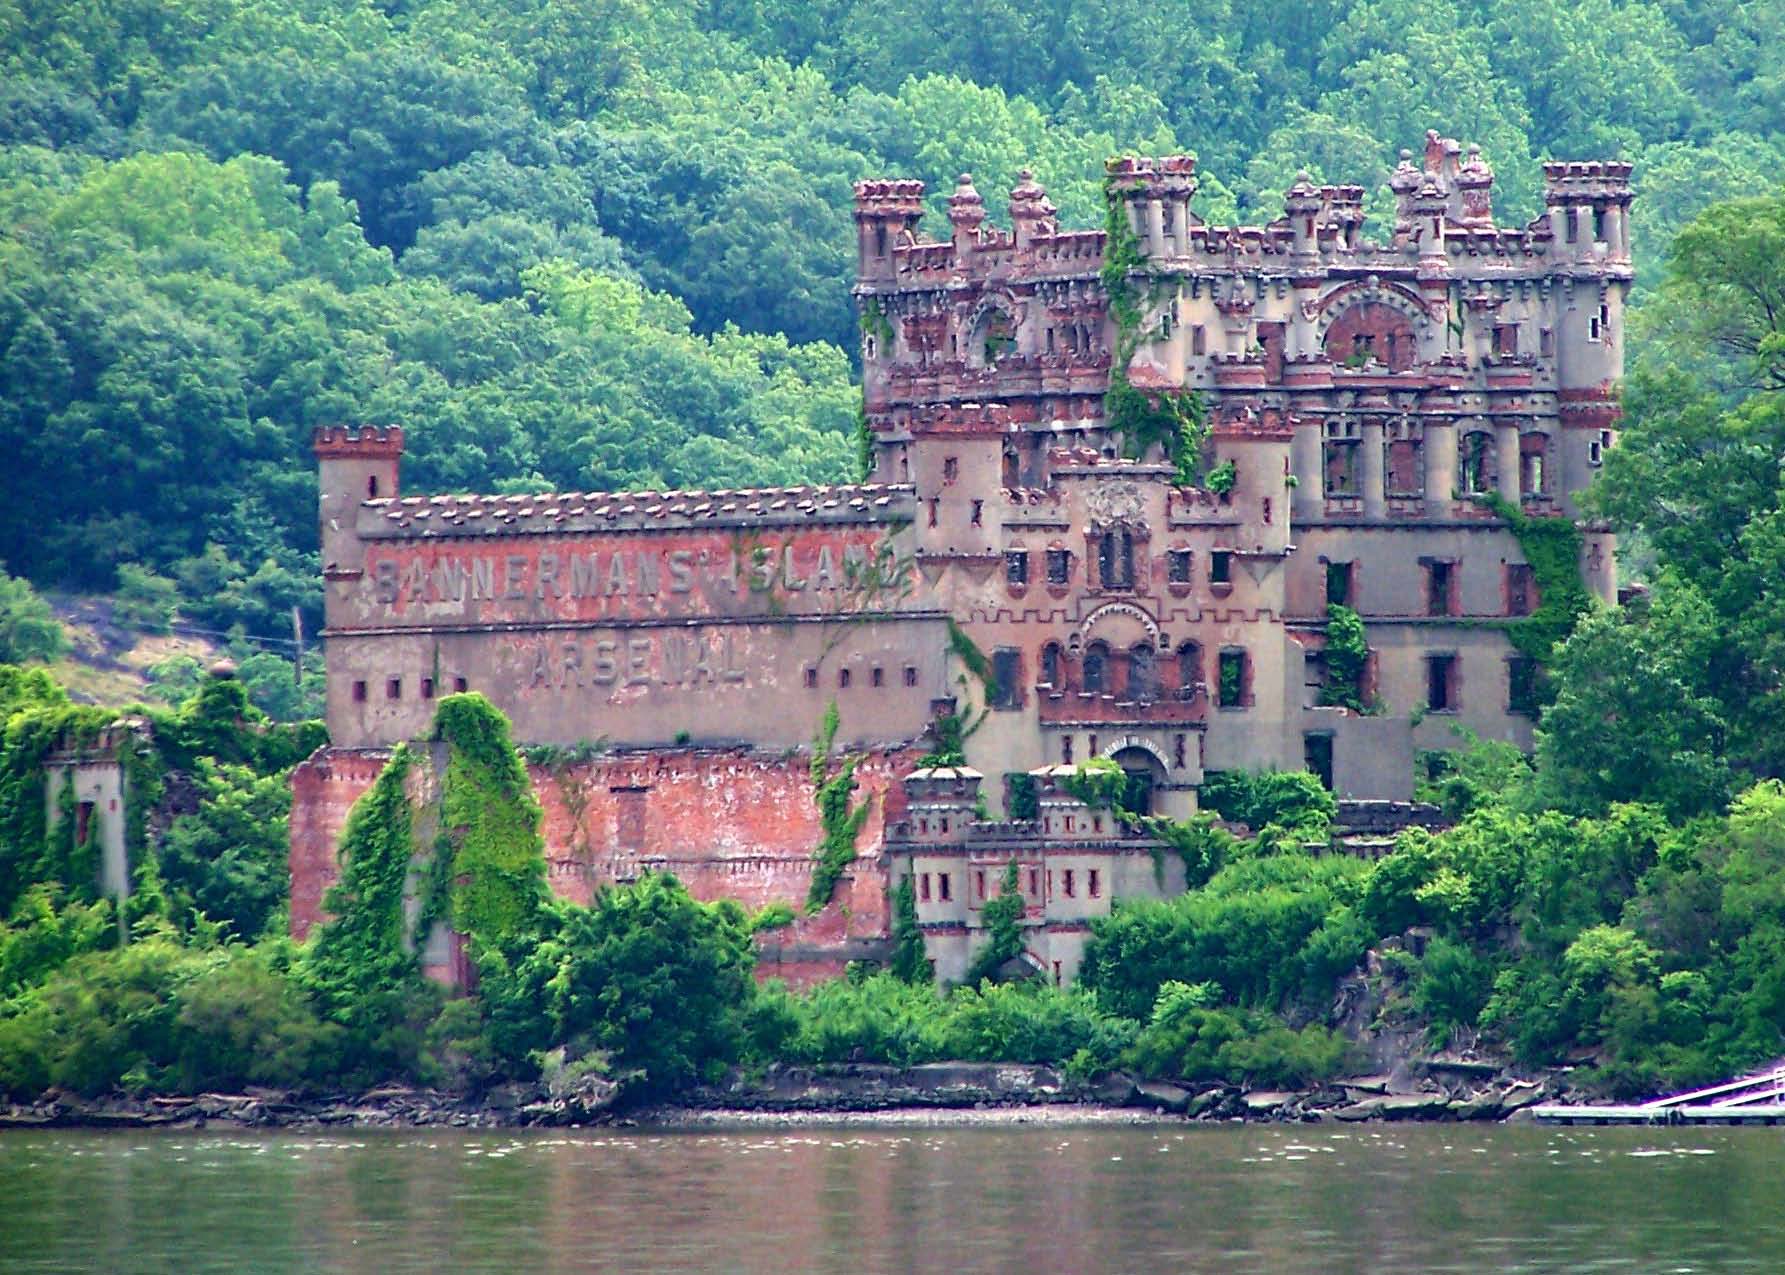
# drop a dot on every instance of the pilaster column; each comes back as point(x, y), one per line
point(1440, 448)
point(1308, 501)
point(1375, 497)
point(1506, 448)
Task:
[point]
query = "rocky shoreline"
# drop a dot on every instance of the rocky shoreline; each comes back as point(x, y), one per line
point(943, 1093)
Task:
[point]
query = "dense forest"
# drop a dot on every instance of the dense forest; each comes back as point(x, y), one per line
point(597, 245)
point(604, 245)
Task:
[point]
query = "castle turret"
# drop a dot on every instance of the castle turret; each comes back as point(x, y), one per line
point(1589, 205)
point(355, 465)
point(966, 213)
point(884, 211)
point(1031, 212)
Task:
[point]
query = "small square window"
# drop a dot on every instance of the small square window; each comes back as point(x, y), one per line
point(359, 692)
point(460, 685)
point(427, 688)
point(1177, 566)
point(393, 689)
point(811, 679)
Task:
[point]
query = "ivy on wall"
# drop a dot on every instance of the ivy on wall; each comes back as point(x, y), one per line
point(839, 818)
point(909, 964)
point(1347, 651)
point(1176, 421)
point(1003, 918)
point(1552, 546)
point(489, 823)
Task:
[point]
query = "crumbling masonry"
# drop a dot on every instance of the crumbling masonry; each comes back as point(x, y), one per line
point(1014, 565)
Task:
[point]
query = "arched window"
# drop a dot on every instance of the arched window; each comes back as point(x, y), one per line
point(1096, 668)
point(1051, 666)
point(1189, 670)
point(1479, 473)
point(1143, 674)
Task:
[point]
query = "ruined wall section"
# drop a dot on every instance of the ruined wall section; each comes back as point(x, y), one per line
point(730, 824)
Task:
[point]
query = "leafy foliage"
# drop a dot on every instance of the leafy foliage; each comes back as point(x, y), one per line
point(1003, 918)
point(839, 819)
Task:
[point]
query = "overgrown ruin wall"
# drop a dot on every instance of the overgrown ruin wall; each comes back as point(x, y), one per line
point(729, 824)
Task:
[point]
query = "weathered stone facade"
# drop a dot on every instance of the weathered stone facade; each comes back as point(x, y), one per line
point(1362, 397)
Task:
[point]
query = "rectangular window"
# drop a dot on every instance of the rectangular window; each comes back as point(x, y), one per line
point(393, 689)
point(842, 679)
point(1093, 883)
point(359, 692)
point(427, 688)
point(1198, 340)
point(978, 513)
point(979, 884)
point(1177, 566)
point(935, 508)
point(910, 675)
point(1059, 566)
point(942, 888)
point(1520, 589)
point(1233, 676)
point(1440, 588)
point(923, 887)
point(1034, 882)
point(951, 469)
point(1546, 342)
point(1317, 757)
point(1016, 566)
point(1572, 233)
point(811, 679)
point(1007, 673)
point(1506, 339)
point(1221, 567)
point(1521, 685)
point(1338, 583)
point(629, 817)
point(877, 678)
point(1067, 884)
point(460, 685)
point(1441, 683)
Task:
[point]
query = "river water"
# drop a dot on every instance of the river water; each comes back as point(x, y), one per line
point(1029, 1199)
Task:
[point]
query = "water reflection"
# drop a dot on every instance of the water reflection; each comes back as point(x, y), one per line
point(1030, 1200)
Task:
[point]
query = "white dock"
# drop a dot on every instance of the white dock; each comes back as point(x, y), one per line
point(1755, 1099)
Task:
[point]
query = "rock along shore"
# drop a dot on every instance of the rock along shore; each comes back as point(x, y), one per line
point(936, 1093)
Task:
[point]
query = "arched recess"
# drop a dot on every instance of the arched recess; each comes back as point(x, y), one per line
point(992, 334)
point(1372, 331)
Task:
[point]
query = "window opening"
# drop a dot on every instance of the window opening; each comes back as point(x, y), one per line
point(1177, 566)
point(1234, 677)
point(1441, 690)
point(1059, 566)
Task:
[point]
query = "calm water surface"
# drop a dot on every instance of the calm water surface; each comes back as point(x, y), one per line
point(1030, 1199)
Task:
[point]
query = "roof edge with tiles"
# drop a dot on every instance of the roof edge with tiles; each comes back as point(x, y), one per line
point(583, 513)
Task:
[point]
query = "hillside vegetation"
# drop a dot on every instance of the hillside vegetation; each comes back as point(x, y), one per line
point(608, 244)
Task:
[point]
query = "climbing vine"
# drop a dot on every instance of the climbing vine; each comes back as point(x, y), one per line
point(1553, 547)
point(909, 964)
point(364, 948)
point(1003, 918)
point(489, 824)
point(864, 444)
point(1176, 421)
point(1021, 801)
point(1347, 651)
point(839, 818)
